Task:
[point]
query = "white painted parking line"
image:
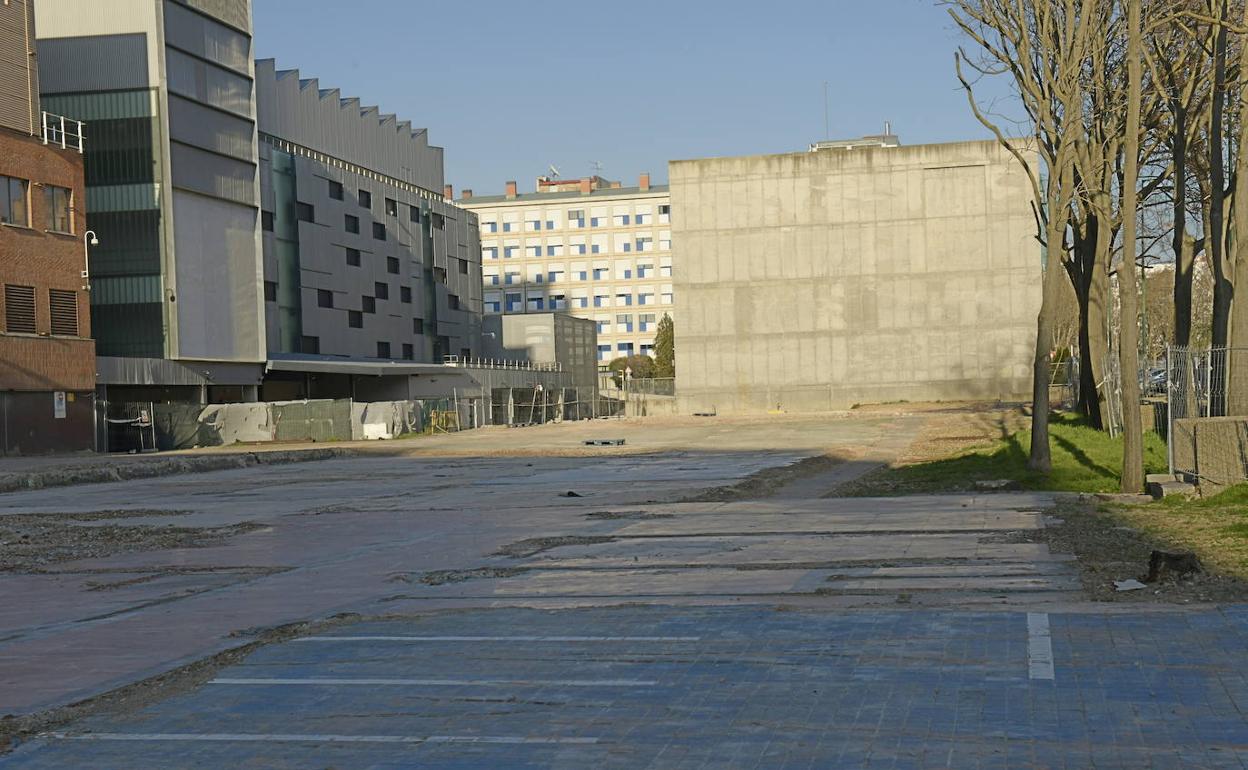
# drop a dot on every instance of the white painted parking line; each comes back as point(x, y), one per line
point(498, 639)
point(1039, 646)
point(445, 682)
point(314, 738)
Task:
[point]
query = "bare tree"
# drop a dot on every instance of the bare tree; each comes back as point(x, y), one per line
point(1132, 479)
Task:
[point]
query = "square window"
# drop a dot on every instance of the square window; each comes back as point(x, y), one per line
point(413, 213)
point(305, 212)
point(463, 267)
point(452, 301)
point(266, 221)
point(418, 326)
point(409, 352)
point(353, 257)
point(383, 349)
point(310, 345)
point(368, 304)
point(335, 189)
point(405, 294)
point(381, 290)
point(270, 291)
point(355, 319)
point(392, 265)
point(379, 231)
point(366, 199)
point(392, 207)
point(352, 223)
point(324, 298)
point(665, 209)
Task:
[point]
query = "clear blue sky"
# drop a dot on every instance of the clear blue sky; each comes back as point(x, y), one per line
point(510, 87)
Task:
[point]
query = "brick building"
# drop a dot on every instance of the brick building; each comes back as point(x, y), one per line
point(47, 357)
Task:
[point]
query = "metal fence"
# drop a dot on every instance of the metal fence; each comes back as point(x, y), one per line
point(1206, 397)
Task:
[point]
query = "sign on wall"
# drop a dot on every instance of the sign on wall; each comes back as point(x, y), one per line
point(58, 404)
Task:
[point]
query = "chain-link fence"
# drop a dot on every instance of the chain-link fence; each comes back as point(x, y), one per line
point(1206, 413)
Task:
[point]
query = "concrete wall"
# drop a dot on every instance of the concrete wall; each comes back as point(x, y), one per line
point(818, 280)
point(1213, 450)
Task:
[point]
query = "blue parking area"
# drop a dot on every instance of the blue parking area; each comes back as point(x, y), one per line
point(665, 687)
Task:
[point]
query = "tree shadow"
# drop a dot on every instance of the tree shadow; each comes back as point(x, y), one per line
point(1082, 457)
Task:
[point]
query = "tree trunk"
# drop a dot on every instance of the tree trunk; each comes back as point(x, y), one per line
point(1217, 193)
point(1237, 337)
point(1128, 351)
point(1041, 458)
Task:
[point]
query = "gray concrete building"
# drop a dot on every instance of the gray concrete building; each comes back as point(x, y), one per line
point(872, 273)
point(546, 338)
point(363, 257)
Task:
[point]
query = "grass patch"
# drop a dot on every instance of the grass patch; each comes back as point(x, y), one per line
point(1214, 528)
point(1084, 460)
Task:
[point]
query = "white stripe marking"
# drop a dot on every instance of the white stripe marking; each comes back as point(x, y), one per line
point(447, 682)
point(498, 639)
point(1039, 646)
point(313, 738)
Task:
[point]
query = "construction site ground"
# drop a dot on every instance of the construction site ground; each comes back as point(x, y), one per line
point(510, 597)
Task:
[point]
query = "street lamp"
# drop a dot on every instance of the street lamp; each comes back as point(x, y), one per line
point(88, 239)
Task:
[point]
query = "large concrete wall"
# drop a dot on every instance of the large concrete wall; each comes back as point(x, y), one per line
point(819, 280)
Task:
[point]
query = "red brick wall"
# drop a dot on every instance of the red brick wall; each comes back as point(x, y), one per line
point(34, 257)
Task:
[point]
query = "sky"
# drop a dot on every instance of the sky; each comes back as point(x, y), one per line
point(509, 88)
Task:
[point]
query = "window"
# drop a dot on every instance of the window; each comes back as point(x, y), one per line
point(437, 221)
point(392, 207)
point(379, 231)
point(603, 326)
point(511, 278)
point(579, 248)
point(270, 291)
point(624, 300)
point(645, 243)
point(558, 302)
point(624, 348)
point(641, 219)
point(413, 213)
point(620, 220)
point(63, 307)
point(604, 352)
point(602, 300)
point(509, 251)
point(535, 303)
point(647, 349)
point(14, 202)
point(366, 199)
point(514, 303)
point(645, 270)
point(665, 271)
point(489, 252)
point(463, 267)
point(645, 298)
point(418, 326)
point(335, 189)
point(666, 298)
point(310, 345)
point(392, 265)
point(353, 257)
point(645, 321)
point(368, 304)
point(305, 212)
point(405, 295)
point(506, 227)
point(534, 251)
point(580, 275)
point(665, 243)
point(409, 352)
point(57, 202)
point(266, 221)
point(625, 322)
point(383, 349)
point(381, 290)
point(550, 224)
point(600, 273)
point(580, 301)
point(593, 249)
point(19, 309)
point(452, 301)
point(492, 306)
point(665, 213)
point(576, 217)
point(489, 227)
point(554, 276)
point(533, 225)
point(355, 319)
point(324, 298)
point(352, 223)
point(595, 222)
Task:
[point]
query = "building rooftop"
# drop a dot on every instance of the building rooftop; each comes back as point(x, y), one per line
point(472, 201)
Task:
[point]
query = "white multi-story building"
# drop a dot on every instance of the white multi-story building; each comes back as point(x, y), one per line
point(588, 247)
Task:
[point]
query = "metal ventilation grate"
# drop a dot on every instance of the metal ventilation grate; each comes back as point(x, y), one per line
point(64, 306)
point(19, 309)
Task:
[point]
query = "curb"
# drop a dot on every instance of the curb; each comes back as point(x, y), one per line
point(168, 466)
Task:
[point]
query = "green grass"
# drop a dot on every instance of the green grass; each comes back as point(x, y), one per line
point(1215, 528)
point(1084, 460)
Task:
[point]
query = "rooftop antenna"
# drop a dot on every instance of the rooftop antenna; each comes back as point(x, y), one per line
point(827, 133)
point(553, 171)
point(597, 166)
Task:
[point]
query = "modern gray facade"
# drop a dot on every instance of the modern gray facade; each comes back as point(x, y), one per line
point(363, 258)
point(547, 338)
point(817, 280)
point(172, 184)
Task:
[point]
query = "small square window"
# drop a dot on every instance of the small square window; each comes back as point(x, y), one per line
point(452, 301)
point(381, 290)
point(366, 199)
point(379, 231)
point(305, 212)
point(383, 349)
point(392, 207)
point(353, 257)
point(310, 345)
point(409, 352)
point(418, 326)
point(335, 189)
point(405, 294)
point(355, 319)
point(392, 265)
point(413, 213)
point(665, 209)
point(270, 291)
point(368, 304)
point(352, 223)
point(266, 221)
point(463, 267)
point(324, 298)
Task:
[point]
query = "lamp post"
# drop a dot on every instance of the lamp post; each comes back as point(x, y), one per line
point(88, 240)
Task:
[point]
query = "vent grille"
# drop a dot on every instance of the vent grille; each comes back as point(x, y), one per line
point(19, 309)
point(64, 306)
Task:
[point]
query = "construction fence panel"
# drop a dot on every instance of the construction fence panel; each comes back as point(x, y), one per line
point(1207, 415)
